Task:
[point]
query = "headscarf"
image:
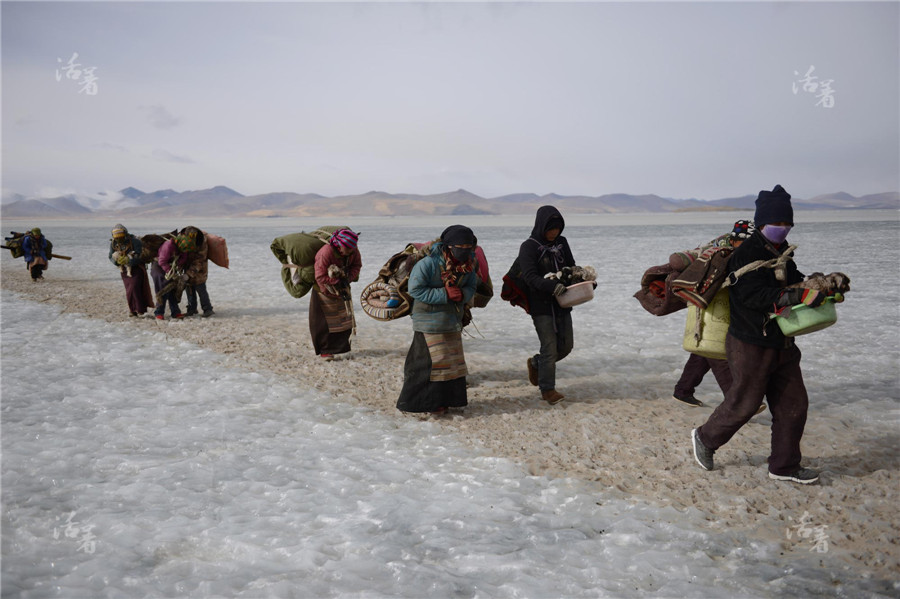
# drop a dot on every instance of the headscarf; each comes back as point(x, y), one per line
point(454, 268)
point(458, 235)
point(186, 242)
point(344, 239)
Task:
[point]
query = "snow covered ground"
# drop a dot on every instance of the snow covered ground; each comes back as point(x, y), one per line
point(139, 465)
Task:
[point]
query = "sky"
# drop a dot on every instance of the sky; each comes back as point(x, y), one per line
point(684, 100)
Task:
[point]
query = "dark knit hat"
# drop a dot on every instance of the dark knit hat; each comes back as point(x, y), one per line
point(458, 235)
point(773, 207)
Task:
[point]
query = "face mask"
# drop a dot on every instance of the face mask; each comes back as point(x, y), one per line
point(776, 234)
point(460, 254)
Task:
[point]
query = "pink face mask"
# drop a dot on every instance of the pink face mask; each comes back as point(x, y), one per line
point(775, 233)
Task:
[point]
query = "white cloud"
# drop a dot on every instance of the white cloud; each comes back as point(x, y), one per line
point(160, 117)
point(166, 156)
point(111, 146)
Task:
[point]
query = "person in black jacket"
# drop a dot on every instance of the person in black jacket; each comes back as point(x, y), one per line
point(547, 251)
point(764, 363)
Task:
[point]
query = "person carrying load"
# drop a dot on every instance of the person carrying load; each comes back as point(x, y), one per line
point(764, 362)
point(331, 320)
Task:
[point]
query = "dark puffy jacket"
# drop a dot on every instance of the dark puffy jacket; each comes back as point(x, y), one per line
point(537, 257)
point(754, 296)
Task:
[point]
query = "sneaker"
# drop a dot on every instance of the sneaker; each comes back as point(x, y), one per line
point(804, 476)
point(178, 316)
point(327, 357)
point(702, 453)
point(160, 317)
point(532, 373)
point(208, 313)
point(689, 400)
point(552, 396)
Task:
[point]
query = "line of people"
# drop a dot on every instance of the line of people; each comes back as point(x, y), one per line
point(441, 284)
point(762, 363)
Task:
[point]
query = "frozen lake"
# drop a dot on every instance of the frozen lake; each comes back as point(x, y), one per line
point(138, 466)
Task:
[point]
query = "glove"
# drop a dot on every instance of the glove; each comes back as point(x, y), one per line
point(123, 260)
point(812, 298)
point(559, 289)
point(837, 297)
point(796, 295)
point(454, 294)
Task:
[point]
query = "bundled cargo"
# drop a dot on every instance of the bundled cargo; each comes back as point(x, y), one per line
point(297, 254)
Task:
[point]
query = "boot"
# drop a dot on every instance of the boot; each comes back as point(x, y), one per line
point(552, 396)
point(532, 373)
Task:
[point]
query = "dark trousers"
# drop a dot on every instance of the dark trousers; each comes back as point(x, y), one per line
point(159, 281)
point(557, 340)
point(762, 372)
point(36, 270)
point(694, 371)
point(198, 290)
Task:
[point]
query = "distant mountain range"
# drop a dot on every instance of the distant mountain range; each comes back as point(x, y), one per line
point(224, 202)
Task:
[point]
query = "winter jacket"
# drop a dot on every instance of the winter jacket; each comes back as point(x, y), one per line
point(34, 248)
point(325, 257)
point(168, 254)
point(537, 257)
point(432, 310)
point(756, 293)
point(135, 245)
point(198, 263)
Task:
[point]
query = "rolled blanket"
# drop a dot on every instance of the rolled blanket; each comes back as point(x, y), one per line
point(376, 300)
point(656, 295)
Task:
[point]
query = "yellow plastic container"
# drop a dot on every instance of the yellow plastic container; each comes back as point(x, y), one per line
point(803, 319)
point(708, 339)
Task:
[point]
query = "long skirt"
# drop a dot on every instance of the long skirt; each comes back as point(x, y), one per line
point(434, 375)
point(330, 325)
point(137, 290)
